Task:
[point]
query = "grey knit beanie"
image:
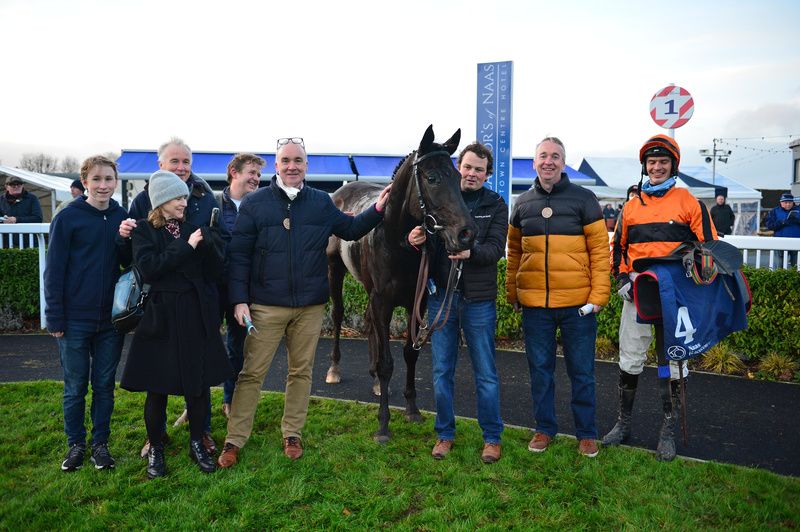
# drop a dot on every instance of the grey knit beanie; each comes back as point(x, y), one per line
point(165, 186)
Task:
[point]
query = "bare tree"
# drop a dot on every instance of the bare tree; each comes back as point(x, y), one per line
point(38, 162)
point(112, 155)
point(70, 164)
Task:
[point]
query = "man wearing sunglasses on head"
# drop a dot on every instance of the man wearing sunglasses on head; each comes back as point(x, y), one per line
point(278, 281)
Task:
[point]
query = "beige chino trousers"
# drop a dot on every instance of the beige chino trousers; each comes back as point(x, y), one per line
point(301, 327)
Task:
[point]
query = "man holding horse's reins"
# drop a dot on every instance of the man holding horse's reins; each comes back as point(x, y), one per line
point(661, 217)
point(278, 284)
point(558, 273)
point(473, 308)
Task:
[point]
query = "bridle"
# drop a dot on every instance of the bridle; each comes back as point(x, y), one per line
point(419, 329)
point(429, 221)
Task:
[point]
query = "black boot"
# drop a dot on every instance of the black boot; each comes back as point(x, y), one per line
point(156, 466)
point(622, 430)
point(198, 453)
point(627, 392)
point(665, 452)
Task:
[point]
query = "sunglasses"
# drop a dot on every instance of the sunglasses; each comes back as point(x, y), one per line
point(291, 140)
point(14, 184)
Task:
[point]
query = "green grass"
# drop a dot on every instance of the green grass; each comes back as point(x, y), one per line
point(346, 481)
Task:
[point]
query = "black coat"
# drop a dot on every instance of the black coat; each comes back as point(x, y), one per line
point(723, 218)
point(177, 348)
point(479, 275)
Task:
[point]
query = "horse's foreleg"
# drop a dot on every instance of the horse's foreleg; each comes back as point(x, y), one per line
point(384, 366)
point(336, 272)
point(411, 355)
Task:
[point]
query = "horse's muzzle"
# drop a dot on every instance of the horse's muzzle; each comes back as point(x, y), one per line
point(465, 237)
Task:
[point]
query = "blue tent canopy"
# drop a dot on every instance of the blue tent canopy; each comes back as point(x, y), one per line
point(379, 168)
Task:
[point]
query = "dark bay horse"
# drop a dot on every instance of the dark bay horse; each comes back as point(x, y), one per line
point(425, 191)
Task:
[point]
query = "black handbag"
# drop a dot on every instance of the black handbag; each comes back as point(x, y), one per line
point(130, 297)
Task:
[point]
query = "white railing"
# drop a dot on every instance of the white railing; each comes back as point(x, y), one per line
point(775, 251)
point(757, 251)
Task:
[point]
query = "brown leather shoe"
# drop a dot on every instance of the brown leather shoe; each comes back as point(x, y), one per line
point(588, 448)
point(441, 449)
point(491, 453)
point(229, 456)
point(208, 443)
point(292, 447)
point(539, 442)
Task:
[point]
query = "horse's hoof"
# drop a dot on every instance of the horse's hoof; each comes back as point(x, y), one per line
point(333, 376)
point(376, 390)
point(381, 438)
point(415, 417)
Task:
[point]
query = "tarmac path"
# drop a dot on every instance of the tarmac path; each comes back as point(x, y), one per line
point(730, 419)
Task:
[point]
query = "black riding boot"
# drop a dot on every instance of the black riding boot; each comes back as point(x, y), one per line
point(666, 438)
point(627, 392)
point(156, 466)
point(198, 453)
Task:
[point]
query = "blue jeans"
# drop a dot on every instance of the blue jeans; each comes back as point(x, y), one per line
point(578, 335)
point(89, 351)
point(478, 320)
point(235, 345)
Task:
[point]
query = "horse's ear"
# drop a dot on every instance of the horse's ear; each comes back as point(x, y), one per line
point(452, 143)
point(427, 139)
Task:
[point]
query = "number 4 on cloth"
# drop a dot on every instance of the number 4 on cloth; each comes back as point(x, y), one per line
point(684, 328)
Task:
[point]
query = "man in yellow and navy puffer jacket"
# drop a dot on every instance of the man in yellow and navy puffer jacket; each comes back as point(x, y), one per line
point(651, 225)
point(558, 274)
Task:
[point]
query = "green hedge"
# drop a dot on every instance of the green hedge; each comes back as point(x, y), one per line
point(19, 281)
point(774, 321)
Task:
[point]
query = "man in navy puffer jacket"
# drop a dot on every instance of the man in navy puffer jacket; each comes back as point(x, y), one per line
point(278, 274)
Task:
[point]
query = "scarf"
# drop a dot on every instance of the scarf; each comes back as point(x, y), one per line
point(174, 228)
point(290, 191)
point(659, 190)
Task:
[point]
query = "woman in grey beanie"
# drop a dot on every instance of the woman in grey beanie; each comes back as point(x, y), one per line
point(177, 348)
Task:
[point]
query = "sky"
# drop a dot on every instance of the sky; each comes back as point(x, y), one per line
point(89, 76)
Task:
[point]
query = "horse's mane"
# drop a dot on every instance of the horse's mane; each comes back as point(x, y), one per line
point(396, 168)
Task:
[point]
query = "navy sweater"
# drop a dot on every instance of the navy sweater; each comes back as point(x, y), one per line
point(83, 263)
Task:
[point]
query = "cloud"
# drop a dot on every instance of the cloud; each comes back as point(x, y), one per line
point(768, 120)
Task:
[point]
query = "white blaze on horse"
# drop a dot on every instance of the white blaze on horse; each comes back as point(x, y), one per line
point(425, 191)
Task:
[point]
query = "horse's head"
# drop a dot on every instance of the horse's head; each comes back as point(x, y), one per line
point(439, 205)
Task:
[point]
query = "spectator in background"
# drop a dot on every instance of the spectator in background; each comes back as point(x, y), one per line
point(244, 176)
point(83, 264)
point(610, 216)
point(76, 190)
point(723, 216)
point(784, 220)
point(18, 206)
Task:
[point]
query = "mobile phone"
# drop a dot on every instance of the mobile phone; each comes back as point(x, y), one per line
point(214, 221)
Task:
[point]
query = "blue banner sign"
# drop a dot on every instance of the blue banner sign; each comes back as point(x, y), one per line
point(494, 121)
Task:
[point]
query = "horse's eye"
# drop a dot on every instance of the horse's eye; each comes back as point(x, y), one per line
point(434, 177)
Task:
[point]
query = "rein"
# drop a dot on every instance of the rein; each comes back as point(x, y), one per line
point(419, 335)
point(419, 329)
